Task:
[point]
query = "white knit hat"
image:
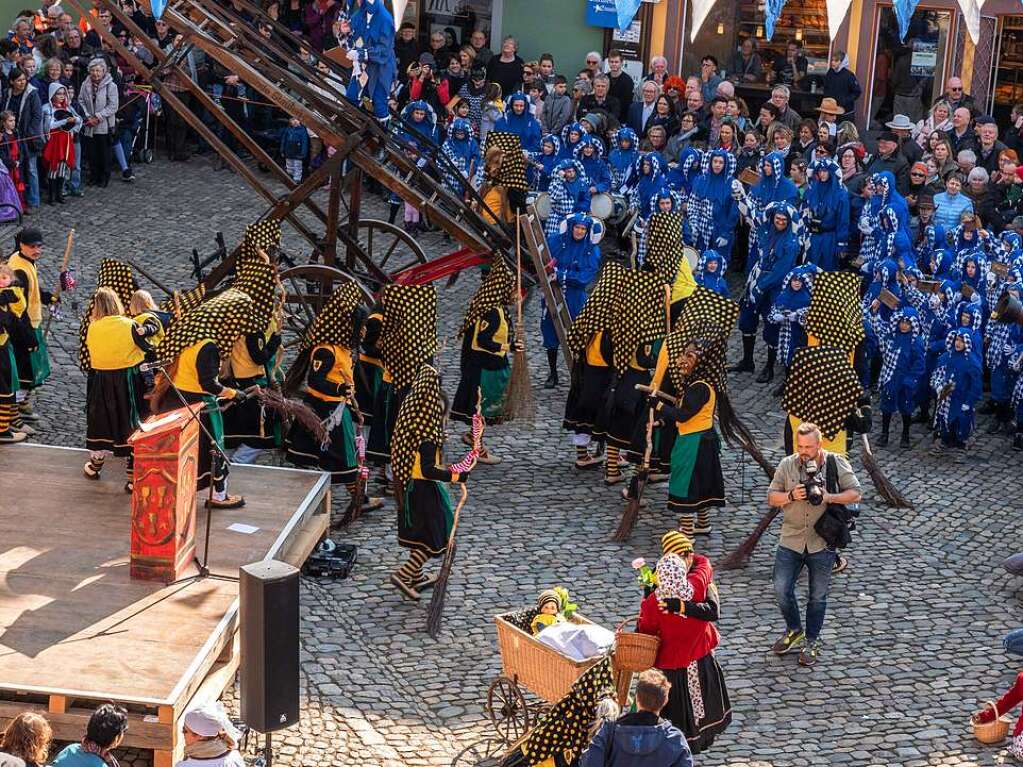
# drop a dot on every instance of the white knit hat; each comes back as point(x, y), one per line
point(209, 721)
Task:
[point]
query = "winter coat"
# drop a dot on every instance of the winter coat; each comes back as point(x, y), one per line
point(30, 120)
point(641, 739)
point(843, 87)
point(556, 113)
point(99, 101)
point(294, 143)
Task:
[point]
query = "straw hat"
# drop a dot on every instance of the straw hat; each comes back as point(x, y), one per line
point(830, 107)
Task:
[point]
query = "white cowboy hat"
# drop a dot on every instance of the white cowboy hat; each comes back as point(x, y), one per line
point(900, 122)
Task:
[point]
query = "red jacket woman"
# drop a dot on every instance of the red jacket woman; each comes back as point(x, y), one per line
point(698, 702)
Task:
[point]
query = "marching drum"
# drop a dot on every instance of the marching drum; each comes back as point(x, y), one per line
point(542, 202)
point(602, 206)
point(621, 208)
point(692, 256)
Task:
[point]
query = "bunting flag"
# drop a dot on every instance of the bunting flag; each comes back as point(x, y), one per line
point(399, 12)
point(904, 12)
point(701, 9)
point(627, 10)
point(772, 11)
point(837, 11)
point(971, 15)
point(158, 6)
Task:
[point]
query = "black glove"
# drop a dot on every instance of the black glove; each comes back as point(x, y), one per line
point(463, 477)
point(239, 396)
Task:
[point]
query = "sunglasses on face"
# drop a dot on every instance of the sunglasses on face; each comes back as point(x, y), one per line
point(917, 173)
point(955, 89)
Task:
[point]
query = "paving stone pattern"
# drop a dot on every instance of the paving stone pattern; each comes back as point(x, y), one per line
point(913, 636)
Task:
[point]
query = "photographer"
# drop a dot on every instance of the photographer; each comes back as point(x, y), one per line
point(424, 86)
point(804, 486)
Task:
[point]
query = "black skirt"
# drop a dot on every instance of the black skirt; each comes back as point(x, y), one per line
point(339, 456)
point(627, 409)
point(113, 401)
point(484, 377)
point(367, 381)
point(706, 486)
point(248, 423)
point(586, 406)
point(717, 708)
point(425, 517)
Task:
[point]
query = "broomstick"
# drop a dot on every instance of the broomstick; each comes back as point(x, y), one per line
point(519, 404)
point(292, 410)
point(631, 513)
point(60, 280)
point(435, 612)
point(891, 494)
point(740, 556)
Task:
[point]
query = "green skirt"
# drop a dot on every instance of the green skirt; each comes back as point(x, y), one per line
point(34, 367)
point(8, 371)
point(696, 481)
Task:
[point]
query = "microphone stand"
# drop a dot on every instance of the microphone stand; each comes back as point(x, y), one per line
point(203, 566)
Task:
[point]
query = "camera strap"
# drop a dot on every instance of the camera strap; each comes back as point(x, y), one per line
point(831, 475)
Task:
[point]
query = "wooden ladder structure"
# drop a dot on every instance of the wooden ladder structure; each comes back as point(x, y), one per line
point(536, 243)
point(228, 34)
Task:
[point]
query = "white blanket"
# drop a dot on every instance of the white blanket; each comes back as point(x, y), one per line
point(577, 641)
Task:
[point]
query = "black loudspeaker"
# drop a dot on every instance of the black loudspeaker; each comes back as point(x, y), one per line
point(269, 645)
point(1008, 309)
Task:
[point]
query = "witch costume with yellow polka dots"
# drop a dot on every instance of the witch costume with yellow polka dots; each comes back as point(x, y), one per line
point(822, 388)
point(408, 339)
point(248, 428)
point(425, 513)
point(486, 341)
point(325, 363)
point(195, 348)
point(589, 340)
point(636, 336)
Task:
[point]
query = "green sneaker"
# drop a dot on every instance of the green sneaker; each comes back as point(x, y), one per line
point(789, 642)
point(808, 655)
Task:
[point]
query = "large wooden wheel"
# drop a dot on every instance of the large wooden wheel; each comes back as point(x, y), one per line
point(306, 290)
point(507, 709)
point(486, 753)
point(388, 246)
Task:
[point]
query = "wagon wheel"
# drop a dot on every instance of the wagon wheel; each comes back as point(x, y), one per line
point(486, 753)
point(306, 290)
point(388, 246)
point(507, 709)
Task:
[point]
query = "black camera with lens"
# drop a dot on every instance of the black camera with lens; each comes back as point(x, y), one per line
point(814, 484)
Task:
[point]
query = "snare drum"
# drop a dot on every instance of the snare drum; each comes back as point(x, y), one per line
point(692, 256)
point(602, 206)
point(621, 208)
point(542, 202)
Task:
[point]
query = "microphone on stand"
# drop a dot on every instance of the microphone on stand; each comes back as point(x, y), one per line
point(145, 367)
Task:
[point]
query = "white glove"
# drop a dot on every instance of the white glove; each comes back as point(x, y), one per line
point(352, 55)
point(737, 190)
point(991, 279)
point(1008, 348)
point(865, 227)
point(720, 242)
point(966, 408)
point(776, 317)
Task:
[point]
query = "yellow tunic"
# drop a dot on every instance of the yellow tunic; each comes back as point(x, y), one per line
point(111, 344)
point(342, 372)
point(18, 262)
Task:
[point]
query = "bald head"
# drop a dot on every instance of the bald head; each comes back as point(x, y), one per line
point(961, 118)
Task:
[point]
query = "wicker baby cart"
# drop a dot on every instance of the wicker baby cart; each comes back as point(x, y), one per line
point(528, 664)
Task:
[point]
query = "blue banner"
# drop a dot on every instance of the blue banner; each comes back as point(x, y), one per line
point(158, 7)
point(601, 13)
point(772, 10)
point(903, 13)
point(627, 10)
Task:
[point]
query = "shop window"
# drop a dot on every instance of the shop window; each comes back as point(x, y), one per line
point(909, 75)
point(457, 19)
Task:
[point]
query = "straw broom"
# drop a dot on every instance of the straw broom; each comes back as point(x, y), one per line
point(891, 494)
point(519, 404)
point(741, 555)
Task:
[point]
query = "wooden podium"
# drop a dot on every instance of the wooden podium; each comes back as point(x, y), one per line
point(163, 502)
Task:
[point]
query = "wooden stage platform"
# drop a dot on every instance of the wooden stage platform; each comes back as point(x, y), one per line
point(76, 630)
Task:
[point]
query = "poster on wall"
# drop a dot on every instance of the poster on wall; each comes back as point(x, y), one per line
point(924, 58)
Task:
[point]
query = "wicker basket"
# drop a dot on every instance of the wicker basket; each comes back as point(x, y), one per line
point(534, 665)
point(635, 651)
point(993, 731)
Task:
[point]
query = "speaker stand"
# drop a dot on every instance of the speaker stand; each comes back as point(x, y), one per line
point(267, 752)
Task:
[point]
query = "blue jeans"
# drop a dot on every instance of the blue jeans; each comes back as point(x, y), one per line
point(30, 175)
point(788, 564)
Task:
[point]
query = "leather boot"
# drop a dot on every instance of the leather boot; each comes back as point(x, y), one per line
point(50, 194)
point(767, 374)
point(552, 363)
point(886, 425)
point(904, 441)
point(924, 416)
point(779, 390)
point(58, 188)
point(746, 363)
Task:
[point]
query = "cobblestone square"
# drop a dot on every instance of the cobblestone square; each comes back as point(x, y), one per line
point(912, 641)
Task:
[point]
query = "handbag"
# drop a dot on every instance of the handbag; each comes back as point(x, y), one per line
point(837, 522)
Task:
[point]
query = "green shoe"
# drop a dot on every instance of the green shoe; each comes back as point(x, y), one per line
point(789, 642)
point(808, 655)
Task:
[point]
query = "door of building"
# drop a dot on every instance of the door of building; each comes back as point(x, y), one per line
point(977, 70)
